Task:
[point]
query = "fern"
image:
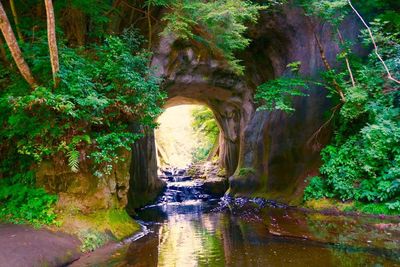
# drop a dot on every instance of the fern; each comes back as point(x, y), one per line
point(73, 160)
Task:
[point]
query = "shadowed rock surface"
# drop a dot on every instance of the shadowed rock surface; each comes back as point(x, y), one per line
point(22, 246)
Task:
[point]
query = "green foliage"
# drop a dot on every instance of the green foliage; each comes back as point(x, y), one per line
point(246, 171)
point(102, 226)
point(376, 208)
point(201, 153)
point(73, 160)
point(366, 166)
point(278, 94)
point(219, 24)
point(333, 11)
point(316, 189)
point(206, 127)
point(103, 90)
point(204, 121)
point(20, 203)
point(362, 161)
point(92, 240)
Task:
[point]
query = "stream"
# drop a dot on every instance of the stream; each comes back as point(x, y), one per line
point(188, 227)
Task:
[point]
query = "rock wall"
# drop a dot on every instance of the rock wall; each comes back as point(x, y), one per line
point(278, 150)
point(144, 185)
point(83, 190)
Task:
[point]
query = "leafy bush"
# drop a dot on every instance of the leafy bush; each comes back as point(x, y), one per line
point(20, 203)
point(316, 189)
point(103, 90)
point(362, 162)
point(277, 94)
point(366, 166)
point(220, 25)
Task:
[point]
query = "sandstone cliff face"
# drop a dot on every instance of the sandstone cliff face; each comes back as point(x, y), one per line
point(144, 185)
point(83, 190)
point(282, 149)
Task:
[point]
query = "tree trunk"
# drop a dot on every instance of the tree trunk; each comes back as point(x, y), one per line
point(15, 16)
point(12, 44)
point(51, 37)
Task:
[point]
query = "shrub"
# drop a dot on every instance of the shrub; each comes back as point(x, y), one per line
point(25, 204)
point(316, 189)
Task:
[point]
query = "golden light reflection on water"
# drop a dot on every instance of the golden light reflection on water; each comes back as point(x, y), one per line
point(184, 242)
point(179, 243)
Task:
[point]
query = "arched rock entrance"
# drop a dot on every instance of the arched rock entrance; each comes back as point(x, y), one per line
point(227, 112)
point(267, 154)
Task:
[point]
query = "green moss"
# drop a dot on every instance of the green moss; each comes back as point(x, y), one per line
point(117, 221)
point(246, 171)
point(327, 203)
point(92, 240)
point(374, 208)
point(97, 228)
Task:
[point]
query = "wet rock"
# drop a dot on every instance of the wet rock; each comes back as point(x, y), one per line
point(216, 186)
point(181, 172)
point(167, 173)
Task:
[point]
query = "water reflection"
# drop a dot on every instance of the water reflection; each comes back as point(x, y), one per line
point(188, 231)
point(220, 239)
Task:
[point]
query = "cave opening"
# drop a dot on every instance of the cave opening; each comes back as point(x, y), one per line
point(187, 134)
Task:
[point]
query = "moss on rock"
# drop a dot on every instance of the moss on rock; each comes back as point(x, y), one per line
point(98, 228)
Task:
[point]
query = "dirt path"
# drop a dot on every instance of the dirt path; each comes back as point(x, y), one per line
point(24, 246)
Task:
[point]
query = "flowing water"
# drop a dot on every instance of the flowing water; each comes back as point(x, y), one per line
point(187, 227)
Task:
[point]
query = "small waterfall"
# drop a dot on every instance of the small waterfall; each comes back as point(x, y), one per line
point(181, 187)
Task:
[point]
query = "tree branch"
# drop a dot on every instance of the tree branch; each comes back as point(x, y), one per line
point(328, 68)
point(390, 77)
point(347, 60)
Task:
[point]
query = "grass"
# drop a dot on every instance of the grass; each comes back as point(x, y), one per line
point(350, 206)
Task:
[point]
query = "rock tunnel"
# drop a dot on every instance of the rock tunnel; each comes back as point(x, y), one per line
point(274, 148)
